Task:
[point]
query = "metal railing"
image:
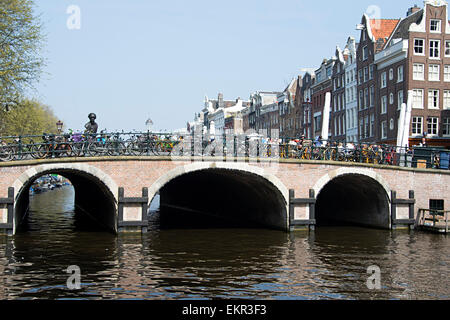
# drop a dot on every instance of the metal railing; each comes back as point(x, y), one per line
point(44, 146)
point(437, 219)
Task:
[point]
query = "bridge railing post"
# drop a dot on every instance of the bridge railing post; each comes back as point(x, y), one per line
point(307, 203)
point(8, 202)
point(124, 202)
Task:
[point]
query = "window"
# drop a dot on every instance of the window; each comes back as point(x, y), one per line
point(391, 98)
point(433, 72)
point(383, 104)
point(366, 74)
point(384, 130)
point(365, 53)
point(400, 100)
point(366, 97)
point(419, 47)
point(447, 48)
point(447, 99)
point(400, 74)
point(418, 99)
point(446, 127)
point(418, 71)
point(433, 125)
point(391, 74)
point(360, 76)
point(447, 73)
point(361, 128)
point(391, 124)
point(383, 80)
point(417, 126)
point(372, 95)
point(366, 126)
point(371, 69)
point(435, 25)
point(436, 205)
point(434, 49)
point(433, 99)
point(361, 100)
point(372, 124)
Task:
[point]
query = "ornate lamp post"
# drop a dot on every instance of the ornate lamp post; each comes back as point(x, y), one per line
point(59, 126)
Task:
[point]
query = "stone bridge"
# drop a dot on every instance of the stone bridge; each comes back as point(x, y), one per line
point(284, 194)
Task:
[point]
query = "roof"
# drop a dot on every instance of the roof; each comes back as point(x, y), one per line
point(402, 29)
point(382, 28)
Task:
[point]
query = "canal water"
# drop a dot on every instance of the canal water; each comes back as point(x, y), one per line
point(330, 263)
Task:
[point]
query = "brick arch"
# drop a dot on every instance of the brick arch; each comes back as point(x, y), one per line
point(198, 166)
point(323, 181)
point(38, 170)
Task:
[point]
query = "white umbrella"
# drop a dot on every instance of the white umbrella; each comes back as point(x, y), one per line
point(405, 139)
point(326, 117)
point(401, 126)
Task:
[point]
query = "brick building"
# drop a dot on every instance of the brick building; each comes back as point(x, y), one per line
point(416, 59)
point(322, 85)
point(374, 35)
point(337, 114)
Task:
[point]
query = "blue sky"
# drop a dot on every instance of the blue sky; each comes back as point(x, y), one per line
point(138, 59)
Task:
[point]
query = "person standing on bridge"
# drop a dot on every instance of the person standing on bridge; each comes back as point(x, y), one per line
point(91, 126)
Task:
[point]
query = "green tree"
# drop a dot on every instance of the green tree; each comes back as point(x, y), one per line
point(21, 41)
point(29, 117)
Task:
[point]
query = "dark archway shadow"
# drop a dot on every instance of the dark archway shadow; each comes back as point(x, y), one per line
point(93, 204)
point(353, 199)
point(221, 198)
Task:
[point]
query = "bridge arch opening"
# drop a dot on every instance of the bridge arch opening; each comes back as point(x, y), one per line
point(221, 198)
point(94, 204)
point(353, 199)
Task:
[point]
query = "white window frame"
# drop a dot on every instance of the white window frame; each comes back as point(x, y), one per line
point(447, 48)
point(446, 104)
point(383, 105)
point(447, 73)
point(400, 99)
point(383, 80)
point(417, 126)
point(438, 25)
point(434, 125)
point(400, 74)
point(365, 53)
point(415, 95)
point(431, 49)
point(391, 98)
point(434, 72)
point(384, 129)
point(415, 72)
point(433, 99)
point(391, 74)
point(422, 46)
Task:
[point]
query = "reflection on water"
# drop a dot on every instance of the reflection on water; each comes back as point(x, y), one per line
point(329, 263)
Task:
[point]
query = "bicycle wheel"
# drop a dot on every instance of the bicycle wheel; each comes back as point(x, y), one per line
point(134, 149)
point(315, 154)
point(5, 153)
point(116, 148)
point(92, 149)
point(42, 151)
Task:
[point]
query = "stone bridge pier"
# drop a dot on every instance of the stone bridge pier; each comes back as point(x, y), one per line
point(288, 195)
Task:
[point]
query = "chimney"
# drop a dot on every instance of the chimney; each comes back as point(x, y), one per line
point(412, 10)
point(220, 100)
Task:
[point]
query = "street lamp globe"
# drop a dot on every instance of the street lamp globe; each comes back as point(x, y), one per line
point(149, 124)
point(59, 126)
